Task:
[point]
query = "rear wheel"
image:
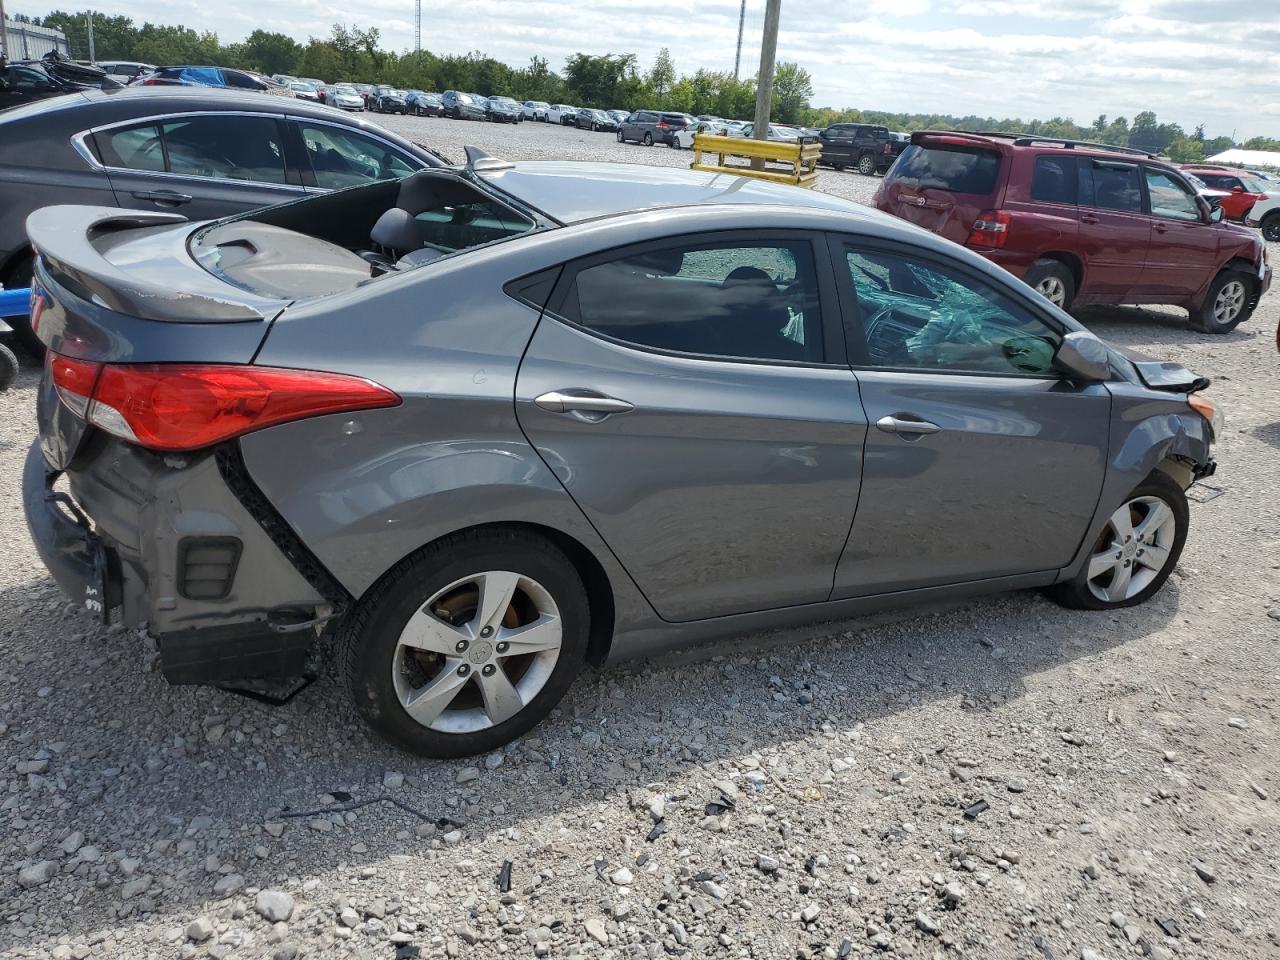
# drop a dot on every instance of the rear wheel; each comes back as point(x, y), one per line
point(1271, 227)
point(648, 139)
point(621, 138)
point(1136, 550)
point(1053, 281)
point(1228, 303)
point(867, 165)
point(8, 367)
point(467, 644)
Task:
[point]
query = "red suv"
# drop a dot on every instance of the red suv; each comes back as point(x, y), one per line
point(1081, 223)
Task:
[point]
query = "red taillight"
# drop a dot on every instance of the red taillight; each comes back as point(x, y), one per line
point(991, 229)
point(74, 380)
point(662, 125)
point(189, 406)
point(888, 149)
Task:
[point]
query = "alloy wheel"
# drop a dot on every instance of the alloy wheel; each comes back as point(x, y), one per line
point(1230, 301)
point(477, 652)
point(1132, 549)
point(1053, 290)
point(1271, 228)
point(867, 166)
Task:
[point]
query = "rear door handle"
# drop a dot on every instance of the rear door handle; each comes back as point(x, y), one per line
point(903, 426)
point(570, 401)
point(1161, 228)
point(163, 196)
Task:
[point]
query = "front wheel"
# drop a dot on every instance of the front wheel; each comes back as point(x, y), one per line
point(1136, 551)
point(867, 165)
point(467, 644)
point(621, 138)
point(1228, 303)
point(648, 139)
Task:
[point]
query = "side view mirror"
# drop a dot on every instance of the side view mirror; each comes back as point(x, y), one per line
point(1083, 356)
point(1237, 189)
point(1216, 214)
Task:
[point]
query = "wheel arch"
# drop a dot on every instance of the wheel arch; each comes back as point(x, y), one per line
point(1071, 262)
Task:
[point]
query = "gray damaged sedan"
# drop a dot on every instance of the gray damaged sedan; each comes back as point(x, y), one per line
point(492, 423)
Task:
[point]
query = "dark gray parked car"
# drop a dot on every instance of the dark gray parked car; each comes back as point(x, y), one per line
point(652, 126)
point(494, 423)
point(199, 152)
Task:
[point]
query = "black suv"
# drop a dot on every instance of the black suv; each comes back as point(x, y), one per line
point(869, 148)
point(461, 106)
point(26, 80)
point(588, 119)
point(652, 126)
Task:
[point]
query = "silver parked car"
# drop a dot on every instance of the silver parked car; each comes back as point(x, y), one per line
point(495, 422)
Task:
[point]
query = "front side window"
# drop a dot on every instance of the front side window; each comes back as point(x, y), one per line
point(343, 158)
point(1169, 198)
point(1110, 186)
point(740, 300)
point(226, 148)
point(919, 315)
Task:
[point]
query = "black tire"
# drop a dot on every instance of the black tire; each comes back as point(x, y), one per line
point(1055, 279)
point(1207, 318)
point(20, 276)
point(621, 138)
point(867, 165)
point(648, 139)
point(838, 167)
point(8, 367)
point(1271, 227)
point(369, 638)
point(1075, 593)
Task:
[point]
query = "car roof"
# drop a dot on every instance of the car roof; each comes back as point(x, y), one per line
point(572, 192)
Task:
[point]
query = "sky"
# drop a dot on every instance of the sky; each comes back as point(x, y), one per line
point(1191, 61)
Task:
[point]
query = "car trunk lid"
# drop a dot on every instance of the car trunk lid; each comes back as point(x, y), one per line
point(120, 287)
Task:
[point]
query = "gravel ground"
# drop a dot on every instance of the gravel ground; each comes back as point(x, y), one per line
point(797, 794)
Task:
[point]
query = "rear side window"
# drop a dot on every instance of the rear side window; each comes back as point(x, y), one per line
point(226, 147)
point(739, 300)
point(955, 169)
point(1218, 181)
point(1110, 186)
point(1054, 180)
point(138, 148)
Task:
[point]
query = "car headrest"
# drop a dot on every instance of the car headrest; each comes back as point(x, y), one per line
point(397, 230)
point(746, 275)
point(429, 191)
point(659, 263)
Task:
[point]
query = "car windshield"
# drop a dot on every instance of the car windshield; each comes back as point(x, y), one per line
point(346, 91)
point(956, 169)
point(302, 87)
point(1254, 186)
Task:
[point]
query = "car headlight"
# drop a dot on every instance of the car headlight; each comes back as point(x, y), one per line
point(1210, 411)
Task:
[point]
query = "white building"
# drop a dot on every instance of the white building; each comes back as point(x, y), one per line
point(24, 41)
point(1268, 159)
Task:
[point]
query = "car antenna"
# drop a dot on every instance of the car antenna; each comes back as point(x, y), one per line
point(478, 160)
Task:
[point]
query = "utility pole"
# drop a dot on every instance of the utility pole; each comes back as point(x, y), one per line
point(4, 31)
point(89, 21)
point(417, 36)
point(737, 57)
point(764, 85)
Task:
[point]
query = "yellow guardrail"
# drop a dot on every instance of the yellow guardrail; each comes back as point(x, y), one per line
point(792, 162)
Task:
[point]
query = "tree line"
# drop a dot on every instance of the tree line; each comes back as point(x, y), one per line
point(606, 81)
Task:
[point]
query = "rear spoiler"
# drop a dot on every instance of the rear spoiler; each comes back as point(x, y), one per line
point(73, 243)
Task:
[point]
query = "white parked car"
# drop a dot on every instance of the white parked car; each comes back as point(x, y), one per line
point(562, 113)
point(683, 140)
point(535, 109)
point(344, 97)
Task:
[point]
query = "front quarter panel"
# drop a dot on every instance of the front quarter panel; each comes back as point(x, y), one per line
point(1147, 427)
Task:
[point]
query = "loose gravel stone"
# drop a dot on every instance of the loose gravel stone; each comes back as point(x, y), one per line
point(274, 905)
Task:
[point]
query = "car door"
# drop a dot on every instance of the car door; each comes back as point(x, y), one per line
point(691, 400)
point(837, 144)
point(205, 166)
point(1115, 229)
point(981, 461)
point(1183, 253)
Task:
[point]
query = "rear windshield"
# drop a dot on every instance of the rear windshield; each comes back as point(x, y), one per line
point(954, 169)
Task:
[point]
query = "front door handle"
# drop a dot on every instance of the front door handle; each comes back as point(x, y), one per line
point(163, 196)
point(1088, 218)
point(567, 401)
point(899, 425)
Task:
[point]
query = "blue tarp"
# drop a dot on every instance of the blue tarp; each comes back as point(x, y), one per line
point(14, 303)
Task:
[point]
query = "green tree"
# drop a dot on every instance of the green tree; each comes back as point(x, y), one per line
point(792, 88)
point(113, 37)
point(598, 81)
point(270, 52)
point(663, 75)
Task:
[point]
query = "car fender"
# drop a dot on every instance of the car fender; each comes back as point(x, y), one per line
point(1148, 431)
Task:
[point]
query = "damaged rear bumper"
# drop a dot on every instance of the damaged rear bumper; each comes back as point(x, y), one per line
point(168, 543)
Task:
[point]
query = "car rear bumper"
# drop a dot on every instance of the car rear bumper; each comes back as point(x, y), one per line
point(165, 542)
point(1016, 262)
